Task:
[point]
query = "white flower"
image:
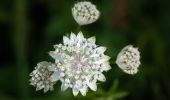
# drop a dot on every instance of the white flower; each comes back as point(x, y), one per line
point(41, 77)
point(79, 63)
point(85, 13)
point(129, 59)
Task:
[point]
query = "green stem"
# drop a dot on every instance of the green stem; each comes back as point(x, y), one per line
point(78, 29)
point(20, 39)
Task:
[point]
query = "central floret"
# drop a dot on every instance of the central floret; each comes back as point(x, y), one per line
point(76, 64)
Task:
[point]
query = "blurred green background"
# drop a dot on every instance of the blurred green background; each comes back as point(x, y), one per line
point(30, 28)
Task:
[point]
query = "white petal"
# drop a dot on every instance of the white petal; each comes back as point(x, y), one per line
point(52, 54)
point(108, 67)
point(80, 36)
point(55, 76)
point(127, 47)
point(65, 40)
point(44, 63)
point(83, 91)
point(78, 84)
point(46, 89)
point(75, 91)
point(94, 55)
point(64, 86)
point(92, 39)
point(101, 49)
point(37, 89)
point(72, 36)
point(92, 85)
point(101, 77)
point(104, 59)
point(57, 56)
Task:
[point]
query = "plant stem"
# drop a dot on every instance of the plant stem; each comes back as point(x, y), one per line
point(20, 38)
point(78, 29)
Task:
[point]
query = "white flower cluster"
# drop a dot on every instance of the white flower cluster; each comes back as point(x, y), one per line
point(40, 77)
point(85, 13)
point(79, 64)
point(129, 59)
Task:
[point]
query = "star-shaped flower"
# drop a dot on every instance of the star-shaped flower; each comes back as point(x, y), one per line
point(79, 63)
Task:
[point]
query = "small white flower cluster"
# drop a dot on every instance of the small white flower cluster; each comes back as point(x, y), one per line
point(79, 64)
point(129, 59)
point(85, 13)
point(40, 77)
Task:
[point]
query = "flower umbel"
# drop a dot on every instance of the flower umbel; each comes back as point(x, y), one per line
point(41, 77)
point(79, 63)
point(129, 59)
point(85, 13)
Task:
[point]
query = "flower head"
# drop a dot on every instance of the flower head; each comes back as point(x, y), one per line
point(129, 59)
point(85, 13)
point(41, 77)
point(79, 63)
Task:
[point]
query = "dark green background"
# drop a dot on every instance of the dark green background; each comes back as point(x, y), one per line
point(30, 28)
